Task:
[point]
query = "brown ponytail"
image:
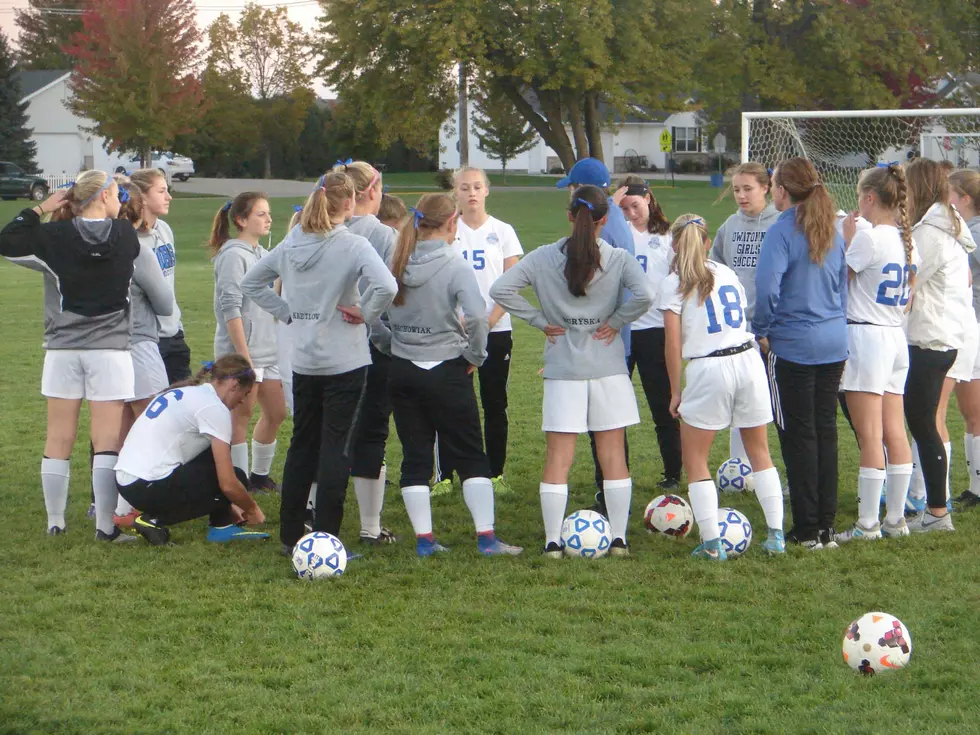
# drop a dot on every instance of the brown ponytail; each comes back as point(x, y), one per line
point(239, 208)
point(815, 213)
point(657, 224)
point(431, 213)
point(228, 367)
point(928, 184)
point(132, 209)
point(582, 257)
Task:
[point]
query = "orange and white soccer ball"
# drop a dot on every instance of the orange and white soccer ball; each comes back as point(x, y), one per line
point(877, 642)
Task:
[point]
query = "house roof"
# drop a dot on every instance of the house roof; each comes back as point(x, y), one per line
point(32, 82)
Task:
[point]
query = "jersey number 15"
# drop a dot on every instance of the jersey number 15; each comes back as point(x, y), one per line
point(731, 310)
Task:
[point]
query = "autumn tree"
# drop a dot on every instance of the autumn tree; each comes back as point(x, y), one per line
point(134, 77)
point(504, 133)
point(16, 145)
point(45, 28)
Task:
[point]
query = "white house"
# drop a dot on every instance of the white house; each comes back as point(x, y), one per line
point(626, 142)
point(63, 146)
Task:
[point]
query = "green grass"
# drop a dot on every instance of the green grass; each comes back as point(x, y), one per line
point(206, 639)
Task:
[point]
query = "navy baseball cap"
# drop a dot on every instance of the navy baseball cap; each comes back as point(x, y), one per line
point(587, 172)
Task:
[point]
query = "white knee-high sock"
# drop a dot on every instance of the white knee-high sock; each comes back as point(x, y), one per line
point(975, 470)
point(311, 503)
point(736, 447)
point(262, 456)
point(770, 495)
point(870, 483)
point(704, 503)
point(553, 501)
point(899, 477)
point(618, 495)
point(478, 494)
point(949, 465)
point(968, 453)
point(239, 456)
point(370, 499)
point(419, 508)
point(104, 487)
point(55, 474)
point(917, 486)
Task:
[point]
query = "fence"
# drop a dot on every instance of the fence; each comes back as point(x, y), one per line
point(56, 181)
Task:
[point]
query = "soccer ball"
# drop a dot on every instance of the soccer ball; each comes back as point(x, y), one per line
point(319, 555)
point(735, 531)
point(735, 476)
point(585, 533)
point(877, 642)
point(669, 515)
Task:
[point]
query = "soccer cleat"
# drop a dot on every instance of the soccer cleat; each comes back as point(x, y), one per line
point(967, 500)
point(55, 531)
point(926, 522)
point(619, 547)
point(552, 551)
point(489, 545)
point(224, 534)
point(127, 520)
point(262, 484)
point(895, 530)
point(385, 537)
point(500, 486)
point(711, 550)
point(859, 532)
point(828, 538)
point(914, 506)
point(155, 534)
point(669, 483)
point(812, 545)
point(427, 547)
point(116, 537)
point(91, 511)
point(600, 504)
point(287, 551)
point(775, 542)
point(443, 487)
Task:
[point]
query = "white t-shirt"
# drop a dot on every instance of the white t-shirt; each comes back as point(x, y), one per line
point(879, 293)
point(653, 253)
point(860, 222)
point(486, 248)
point(718, 323)
point(176, 427)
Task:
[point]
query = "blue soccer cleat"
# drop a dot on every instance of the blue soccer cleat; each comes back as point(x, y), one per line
point(914, 506)
point(224, 534)
point(427, 547)
point(775, 542)
point(490, 545)
point(712, 550)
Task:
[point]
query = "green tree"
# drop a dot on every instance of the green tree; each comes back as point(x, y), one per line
point(46, 27)
point(16, 145)
point(504, 133)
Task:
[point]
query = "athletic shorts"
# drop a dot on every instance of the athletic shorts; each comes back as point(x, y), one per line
point(266, 373)
point(877, 360)
point(579, 406)
point(148, 369)
point(965, 368)
point(726, 391)
point(96, 375)
point(285, 345)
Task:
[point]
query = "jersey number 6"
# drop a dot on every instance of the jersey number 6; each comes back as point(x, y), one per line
point(160, 403)
point(732, 312)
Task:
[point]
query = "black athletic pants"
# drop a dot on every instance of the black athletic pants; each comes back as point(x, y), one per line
point(189, 492)
point(325, 413)
point(805, 408)
point(649, 357)
point(494, 377)
point(923, 386)
point(176, 357)
point(427, 402)
point(372, 425)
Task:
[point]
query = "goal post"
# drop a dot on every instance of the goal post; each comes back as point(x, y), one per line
point(842, 143)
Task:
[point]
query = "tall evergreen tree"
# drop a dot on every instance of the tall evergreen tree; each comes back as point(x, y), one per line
point(16, 145)
point(504, 133)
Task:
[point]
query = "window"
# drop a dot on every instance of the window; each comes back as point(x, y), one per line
point(687, 140)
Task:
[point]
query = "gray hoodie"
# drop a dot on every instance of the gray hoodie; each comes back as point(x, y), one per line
point(974, 225)
point(161, 238)
point(382, 238)
point(439, 283)
point(233, 261)
point(319, 273)
point(151, 295)
point(738, 243)
point(576, 355)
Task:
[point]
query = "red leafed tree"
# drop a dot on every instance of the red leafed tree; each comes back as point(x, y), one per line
point(134, 76)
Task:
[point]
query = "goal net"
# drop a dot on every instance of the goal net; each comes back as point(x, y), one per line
point(841, 144)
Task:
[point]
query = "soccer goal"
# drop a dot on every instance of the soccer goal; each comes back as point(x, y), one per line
point(843, 143)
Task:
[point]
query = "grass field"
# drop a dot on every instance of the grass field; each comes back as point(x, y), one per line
point(216, 639)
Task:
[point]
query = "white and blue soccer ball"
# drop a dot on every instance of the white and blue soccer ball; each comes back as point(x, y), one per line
point(319, 555)
point(735, 531)
point(586, 534)
point(735, 476)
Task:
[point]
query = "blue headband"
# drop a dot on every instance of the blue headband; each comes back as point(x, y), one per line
point(69, 185)
point(770, 172)
point(106, 185)
point(417, 216)
point(579, 200)
point(226, 206)
point(889, 164)
point(297, 207)
point(346, 163)
point(209, 365)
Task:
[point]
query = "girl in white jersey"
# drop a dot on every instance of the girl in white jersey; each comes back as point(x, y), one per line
point(651, 245)
point(175, 464)
point(725, 381)
point(882, 263)
point(491, 248)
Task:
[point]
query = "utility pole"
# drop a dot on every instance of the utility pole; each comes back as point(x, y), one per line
point(464, 127)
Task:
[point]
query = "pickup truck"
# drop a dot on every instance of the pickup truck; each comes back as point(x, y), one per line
point(16, 184)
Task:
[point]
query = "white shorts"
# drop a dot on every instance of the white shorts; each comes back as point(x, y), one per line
point(97, 375)
point(148, 369)
point(877, 360)
point(266, 373)
point(579, 406)
point(965, 368)
point(726, 391)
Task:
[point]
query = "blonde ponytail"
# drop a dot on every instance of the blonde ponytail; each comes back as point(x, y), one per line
point(688, 235)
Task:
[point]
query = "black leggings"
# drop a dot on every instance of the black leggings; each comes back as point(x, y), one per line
point(189, 492)
point(176, 357)
point(923, 386)
point(372, 424)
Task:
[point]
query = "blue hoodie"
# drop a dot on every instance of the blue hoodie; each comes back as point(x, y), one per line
point(799, 305)
point(617, 233)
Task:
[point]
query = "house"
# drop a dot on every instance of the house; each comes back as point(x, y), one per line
point(63, 146)
point(629, 143)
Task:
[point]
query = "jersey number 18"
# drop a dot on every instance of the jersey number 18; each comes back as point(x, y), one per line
point(731, 311)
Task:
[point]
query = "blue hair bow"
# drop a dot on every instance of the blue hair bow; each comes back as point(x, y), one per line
point(887, 164)
point(226, 206)
point(297, 207)
point(385, 189)
point(770, 171)
point(346, 163)
point(579, 200)
point(319, 182)
point(209, 365)
point(693, 221)
point(417, 216)
point(69, 185)
point(123, 195)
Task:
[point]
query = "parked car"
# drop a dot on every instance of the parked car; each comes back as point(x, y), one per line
point(173, 166)
point(181, 167)
point(16, 184)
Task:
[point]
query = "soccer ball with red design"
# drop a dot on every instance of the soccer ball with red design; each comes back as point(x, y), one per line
point(669, 515)
point(877, 642)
